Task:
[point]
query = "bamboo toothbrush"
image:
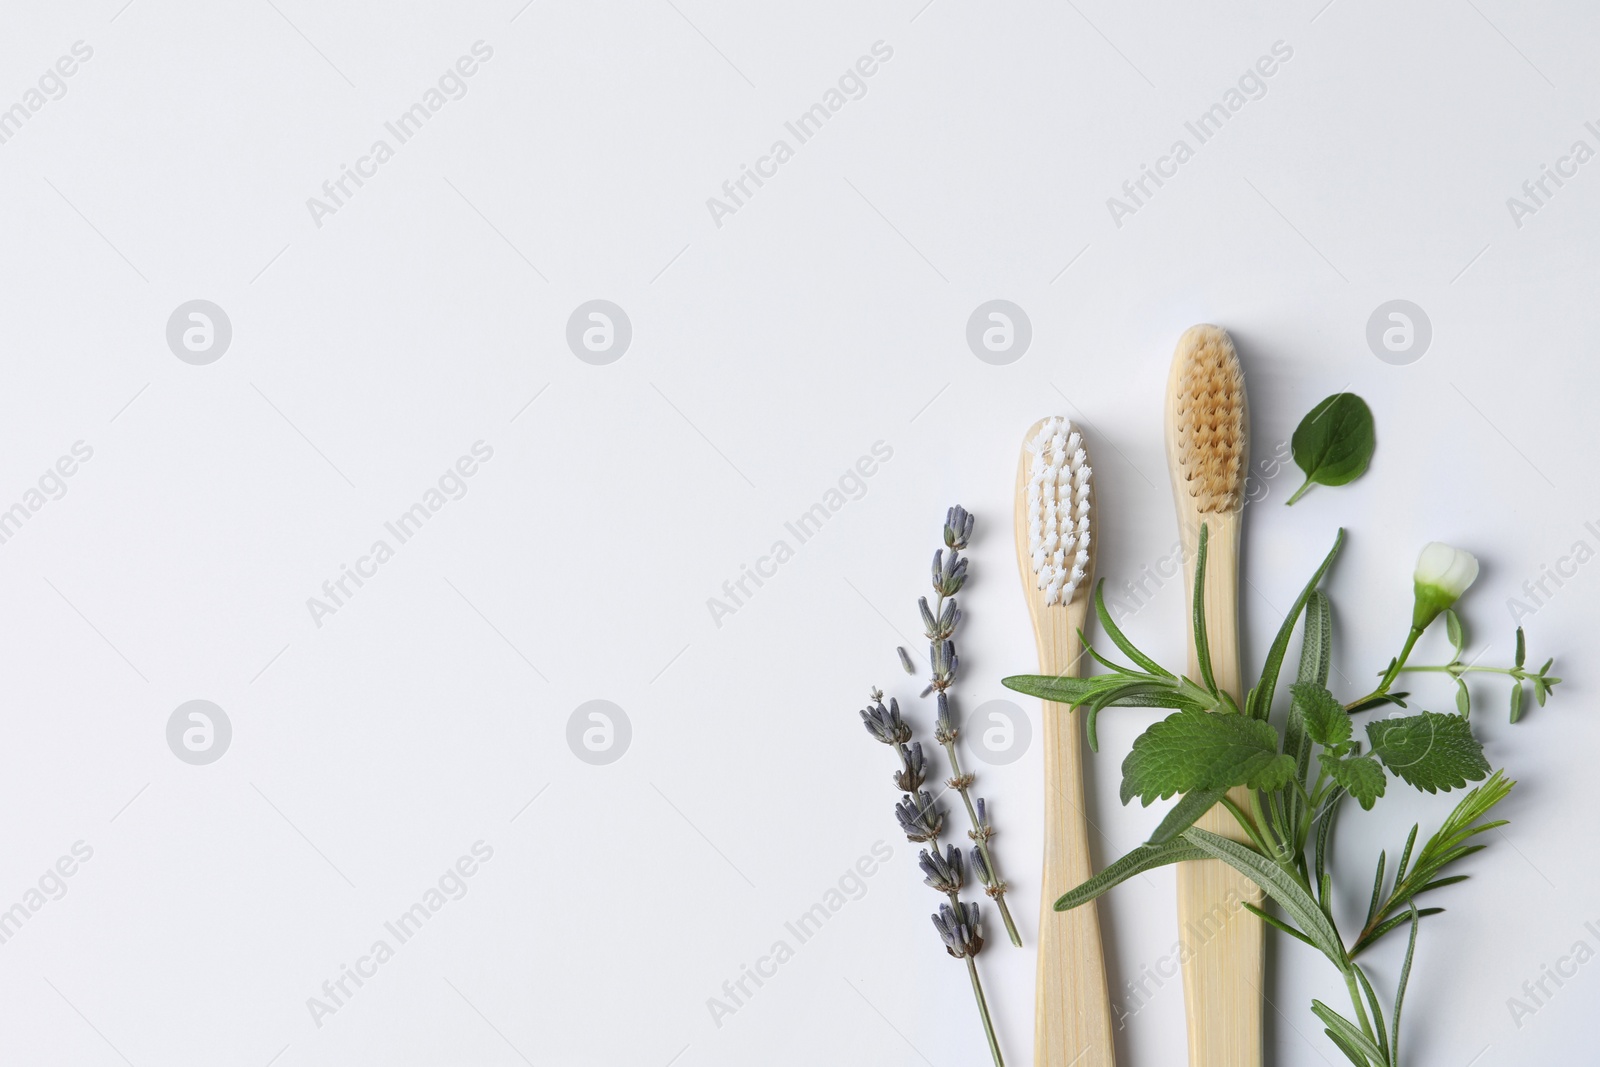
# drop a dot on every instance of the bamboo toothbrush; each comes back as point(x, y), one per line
point(1207, 431)
point(1054, 530)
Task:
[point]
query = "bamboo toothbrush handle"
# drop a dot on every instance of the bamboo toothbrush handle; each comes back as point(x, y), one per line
point(1072, 1017)
point(1222, 943)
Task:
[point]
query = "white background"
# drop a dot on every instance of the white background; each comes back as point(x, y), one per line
point(769, 353)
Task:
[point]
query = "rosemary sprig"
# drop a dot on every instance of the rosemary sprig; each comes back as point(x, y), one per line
point(939, 623)
point(922, 821)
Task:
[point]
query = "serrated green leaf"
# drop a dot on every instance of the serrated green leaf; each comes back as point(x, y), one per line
point(1360, 776)
point(1431, 751)
point(1334, 442)
point(1326, 721)
point(1192, 750)
point(1141, 859)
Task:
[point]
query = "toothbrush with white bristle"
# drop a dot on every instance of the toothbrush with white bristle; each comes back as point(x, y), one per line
point(1054, 532)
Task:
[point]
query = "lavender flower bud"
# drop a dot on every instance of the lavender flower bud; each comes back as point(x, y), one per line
point(957, 527)
point(919, 819)
point(983, 831)
point(944, 729)
point(885, 723)
point(945, 663)
point(945, 624)
point(915, 770)
point(949, 571)
point(958, 929)
point(945, 873)
point(980, 867)
point(992, 884)
point(949, 618)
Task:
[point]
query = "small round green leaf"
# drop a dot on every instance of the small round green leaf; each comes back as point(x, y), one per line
point(1334, 442)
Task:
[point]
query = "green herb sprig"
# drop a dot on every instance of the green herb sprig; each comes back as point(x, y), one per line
point(1542, 680)
point(1211, 744)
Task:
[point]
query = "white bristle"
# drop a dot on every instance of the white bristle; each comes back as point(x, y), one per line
point(1058, 510)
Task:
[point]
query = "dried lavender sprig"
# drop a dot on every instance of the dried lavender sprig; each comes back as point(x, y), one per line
point(978, 815)
point(940, 623)
point(922, 821)
point(963, 938)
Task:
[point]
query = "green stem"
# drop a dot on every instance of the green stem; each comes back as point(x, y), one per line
point(1394, 671)
point(1298, 493)
point(999, 893)
point(983, 1010)
point(1456, 668)
point(1355, 999)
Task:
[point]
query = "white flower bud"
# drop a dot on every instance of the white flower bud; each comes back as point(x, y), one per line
point(1443, 573)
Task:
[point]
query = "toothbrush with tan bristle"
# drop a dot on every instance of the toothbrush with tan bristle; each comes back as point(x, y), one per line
point(1207, 431)
point(1055, 531)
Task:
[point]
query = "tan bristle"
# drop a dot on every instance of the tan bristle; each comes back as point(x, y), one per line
point(1210, 405)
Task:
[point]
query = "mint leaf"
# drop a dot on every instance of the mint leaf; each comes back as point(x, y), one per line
point(1334, 442)
point(1194, 749)
point(1431, 751)
point(1327, 723)
point(1360, 776)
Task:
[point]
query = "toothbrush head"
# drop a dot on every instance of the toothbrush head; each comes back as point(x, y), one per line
point(1059, 497)
point(1209, 420)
